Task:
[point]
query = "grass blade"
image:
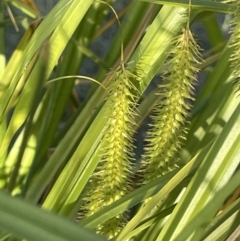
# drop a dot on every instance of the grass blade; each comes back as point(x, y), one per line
point(203, 5)
point(32, 223)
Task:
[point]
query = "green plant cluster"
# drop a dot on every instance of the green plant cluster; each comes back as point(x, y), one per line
point(80, 179)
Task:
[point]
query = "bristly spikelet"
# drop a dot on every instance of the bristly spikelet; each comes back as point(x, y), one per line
point(235, 41)
point(171, 111)
point(111, 181)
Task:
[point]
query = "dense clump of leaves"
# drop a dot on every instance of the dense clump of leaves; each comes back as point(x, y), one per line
point(88, 163)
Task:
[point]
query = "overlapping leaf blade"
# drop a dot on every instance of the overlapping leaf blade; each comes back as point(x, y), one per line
point(34, 224)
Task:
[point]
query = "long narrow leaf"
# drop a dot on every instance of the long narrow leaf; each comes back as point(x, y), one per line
point(215, 171)
point(34, 224)
point(205, 5)
point(57, 43)
point(161, 195)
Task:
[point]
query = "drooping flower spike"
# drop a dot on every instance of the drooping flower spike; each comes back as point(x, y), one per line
point(111, 181)
point(171, 111)
point(235, 42)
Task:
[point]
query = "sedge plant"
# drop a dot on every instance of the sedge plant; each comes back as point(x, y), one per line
point(68, 165)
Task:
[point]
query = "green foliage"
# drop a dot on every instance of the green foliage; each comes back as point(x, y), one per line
point(83, 181)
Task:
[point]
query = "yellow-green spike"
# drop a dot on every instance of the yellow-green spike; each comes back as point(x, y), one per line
point(171, 111)
point(111, 181)
point(235, 42)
